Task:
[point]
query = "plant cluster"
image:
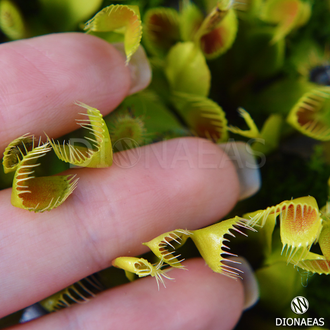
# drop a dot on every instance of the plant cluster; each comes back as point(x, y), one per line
point(266, 58)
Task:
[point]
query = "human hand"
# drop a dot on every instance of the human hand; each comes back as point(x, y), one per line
point(181, 183)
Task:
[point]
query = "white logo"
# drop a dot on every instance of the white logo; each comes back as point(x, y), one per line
point(299, 305)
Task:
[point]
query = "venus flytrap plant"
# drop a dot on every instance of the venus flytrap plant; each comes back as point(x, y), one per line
point(15, 152)
point(126, 126)
point(203, 116)
point(164, 246)
point(288, 14)
point(189, 79)
point(186, 70)
point(101, 154)
point(311, 114)
point(210, 243)
point(79, 292)
point(213, 34)
point(141, 267)
point(161, 30)
point(32, 193)
point(300, 224)
point(267, 140)
point(316, 263)
point(216, 33)
point(254, 72)
point(121, 19)
point(324, 240)
point(252, 132)
point(12, 22)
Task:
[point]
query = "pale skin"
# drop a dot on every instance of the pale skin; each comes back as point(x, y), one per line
point(113, 210)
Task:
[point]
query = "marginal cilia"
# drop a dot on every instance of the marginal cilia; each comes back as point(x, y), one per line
point(41, 194)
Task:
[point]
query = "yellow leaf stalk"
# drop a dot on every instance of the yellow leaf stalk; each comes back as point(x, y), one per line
point(210, 243)
point(79, 292)
point(267, 139)
point(121, 19)
point(252, 132)
point(31, 193)
point(310, 115)
point(141, 267)
point(164, 246)
point(101, 154)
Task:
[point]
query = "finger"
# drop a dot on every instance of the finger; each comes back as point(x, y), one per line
point(181, 183)
point(196, 299)
point(42, 77)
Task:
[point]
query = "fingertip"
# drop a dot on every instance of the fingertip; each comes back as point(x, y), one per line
point(197, 299)
point(221, 297)
point(42, 77)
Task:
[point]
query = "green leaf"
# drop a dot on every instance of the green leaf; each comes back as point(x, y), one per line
point(214, 34)
point(210, 243)
point(161, 30)
point(15, 152)
point(218, 40)
point(121, 19)
point(142, 268)
point(164, 246)
point(191, 19)
point(99, 153)
point(270, 135)
point(128, 128)
point(79, 292)
point(311, 114)
point(157, 118)
point(301, 225)
point(43, 193)
point(278, 283)
point(315, 263)
point(324, 240)
point(203, 116)
point(65, 15)
point(288, 14)
point(11, 20)
point(186, 70)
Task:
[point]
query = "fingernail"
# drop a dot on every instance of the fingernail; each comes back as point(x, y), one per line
point(32, 312)
point(139, 68)
point(250, 284)
point(241, 155)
